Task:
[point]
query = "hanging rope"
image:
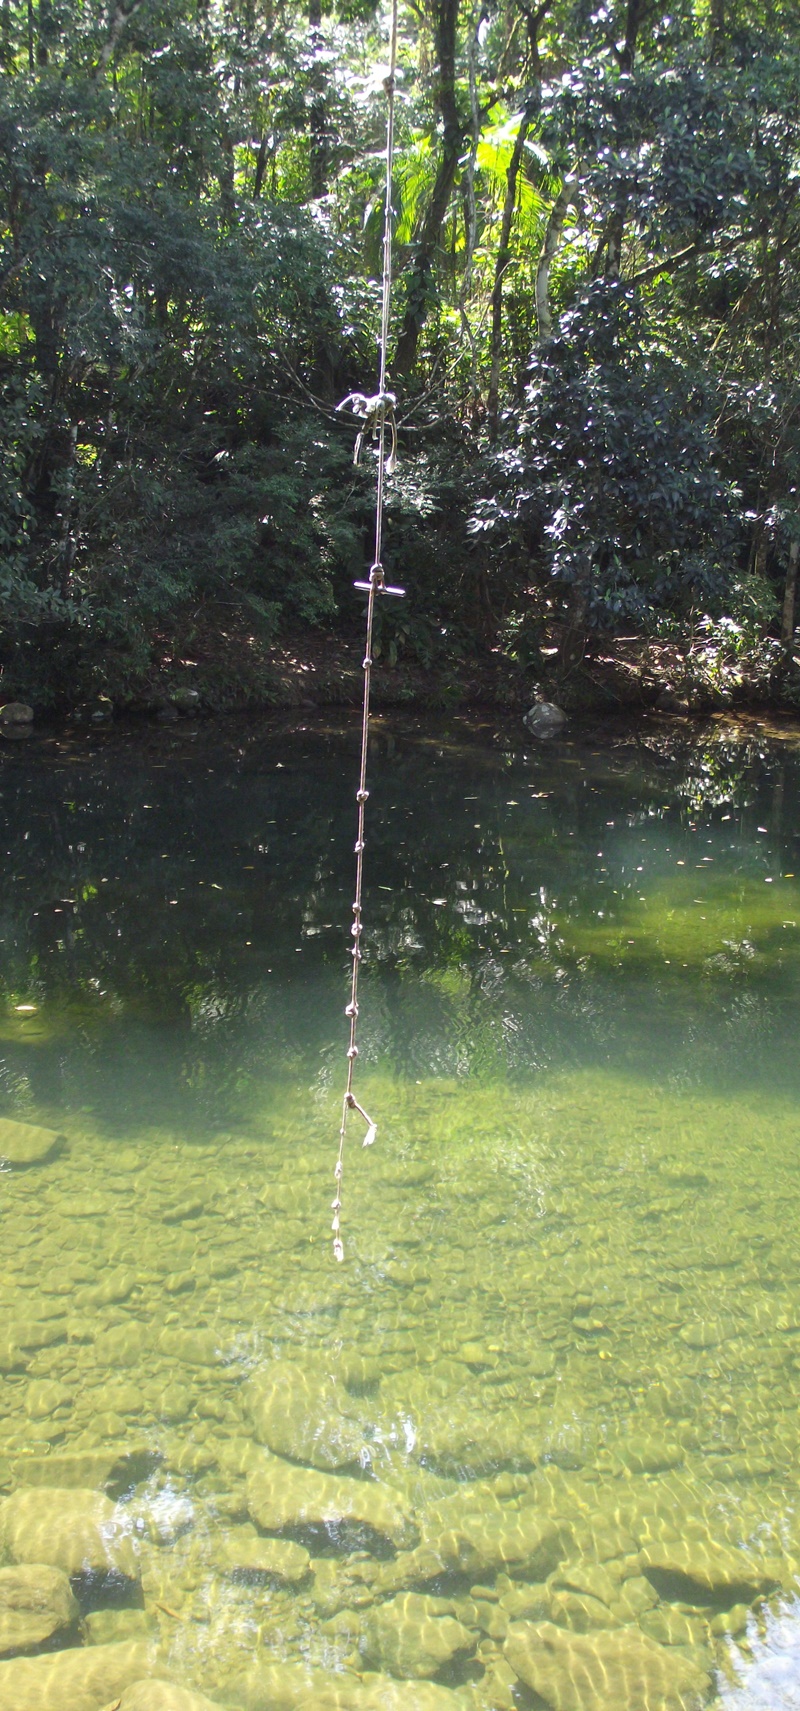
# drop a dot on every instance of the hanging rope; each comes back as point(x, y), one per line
point(377, 414)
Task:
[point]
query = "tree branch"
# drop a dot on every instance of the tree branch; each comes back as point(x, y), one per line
point(680, 257)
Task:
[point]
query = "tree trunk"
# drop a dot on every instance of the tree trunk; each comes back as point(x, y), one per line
point(633, 18)
point(573, 641)
point(6, 48)
point(227, 186)
point(789, 595)
point(319, 152)
point(616, 225)
point(761, 546)
point(616, 231)
point(119, 16)
point(552, 238)
point(419, 278)
point(67, 556)
point(261, 166)
point(44, 32)
point(503, 256)
point(717, 31)
point(533, 21)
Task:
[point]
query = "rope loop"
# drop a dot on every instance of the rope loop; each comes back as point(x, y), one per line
point(377, 413)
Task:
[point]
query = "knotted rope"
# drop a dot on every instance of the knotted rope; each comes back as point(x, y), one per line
point(377, 414)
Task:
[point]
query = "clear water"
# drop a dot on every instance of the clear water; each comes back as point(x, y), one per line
point(572, 1275)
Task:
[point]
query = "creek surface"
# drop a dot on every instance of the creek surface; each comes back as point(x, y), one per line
point(536, 1443)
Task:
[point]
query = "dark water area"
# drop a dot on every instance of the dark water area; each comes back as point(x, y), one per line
point(554, 1387)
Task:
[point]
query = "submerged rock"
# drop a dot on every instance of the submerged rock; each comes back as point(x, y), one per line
point(707, 1333)
point(305, 1417)
point(245, 1556)
point(156, 1695)
point(286, 1499)
point(23, 1144)
point(35, 1334)
point(12, 1357)
point(697, 1570)
point(617, 1671)
point(525, 1603)
point(642, 1454)
point(81, 1532)
point(45, 1396)
point(37, 1605)
point(281, 1687)
point(580, 1611)
point(117, 1622)
point(414, 1636)
point(298, 1687)
point(80, 1679)
point(519, 1542)
point(380, 1693)
point(456, 1440)
point(672, 1627)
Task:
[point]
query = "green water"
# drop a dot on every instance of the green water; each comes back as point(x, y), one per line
point(571, 1292)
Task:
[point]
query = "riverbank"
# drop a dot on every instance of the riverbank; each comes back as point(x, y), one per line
point(229, 670)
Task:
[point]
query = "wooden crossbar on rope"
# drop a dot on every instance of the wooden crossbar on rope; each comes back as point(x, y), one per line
point(377, 414)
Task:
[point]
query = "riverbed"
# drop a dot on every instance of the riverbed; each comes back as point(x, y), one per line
point(538, 1434)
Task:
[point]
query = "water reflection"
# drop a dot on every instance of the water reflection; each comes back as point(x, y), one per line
point(632, 903)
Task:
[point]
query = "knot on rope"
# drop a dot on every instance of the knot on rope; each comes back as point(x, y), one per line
point(376, 413)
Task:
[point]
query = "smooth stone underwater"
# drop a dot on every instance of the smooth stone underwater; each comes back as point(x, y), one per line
point(156, 1695)
point(305, 1416)
point(37, 1606)
point(413, 1635)
point(24, 1144)
point(84, 1678)
point(81, 1532)
point(572, 1672)
point(283, 1498)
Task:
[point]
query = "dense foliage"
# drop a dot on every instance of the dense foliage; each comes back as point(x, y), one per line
point(596, 339)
